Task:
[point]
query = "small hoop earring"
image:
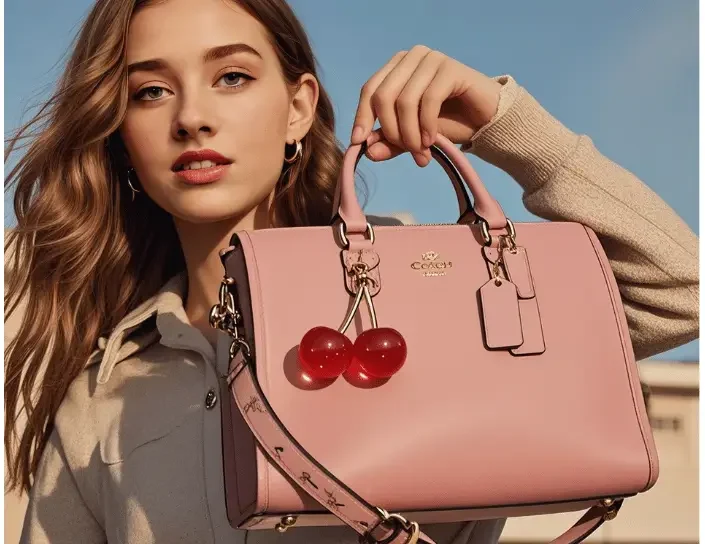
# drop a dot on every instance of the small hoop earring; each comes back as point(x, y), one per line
point(297, 154)
point(131, 171)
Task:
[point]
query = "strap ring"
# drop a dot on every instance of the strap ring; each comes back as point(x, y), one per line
point(399, 523)
point(487, 237)
point(344, 239)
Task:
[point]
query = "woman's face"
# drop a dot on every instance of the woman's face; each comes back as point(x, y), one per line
point(203, 76)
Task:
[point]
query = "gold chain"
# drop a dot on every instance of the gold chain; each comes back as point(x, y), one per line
point(224, 316)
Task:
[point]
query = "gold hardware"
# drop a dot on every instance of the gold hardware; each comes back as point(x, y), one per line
point(430, 265)
point(507, 242)
point(610, 509)
point(429, 256)
point(344, 239)
point(487, 237)
point(415, 532)
point(285, 523)
point(370, 306)
point(351, 313)
point(497, 268)
point(362, 281)
point(224, 316)
point(402, 523)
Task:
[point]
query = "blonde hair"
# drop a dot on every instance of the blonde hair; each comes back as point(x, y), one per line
point(83, 254)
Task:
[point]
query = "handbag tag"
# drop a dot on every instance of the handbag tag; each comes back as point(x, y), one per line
point(500, 314)
point(516, 263)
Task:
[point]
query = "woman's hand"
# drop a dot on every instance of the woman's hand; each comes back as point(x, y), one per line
point(417, 94)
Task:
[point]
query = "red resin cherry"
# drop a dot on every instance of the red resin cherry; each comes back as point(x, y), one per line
point(379, 353)
point(325, 353)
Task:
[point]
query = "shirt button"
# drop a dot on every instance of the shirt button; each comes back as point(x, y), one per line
point(211, 399)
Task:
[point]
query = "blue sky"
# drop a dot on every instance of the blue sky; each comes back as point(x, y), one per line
point(626, 73)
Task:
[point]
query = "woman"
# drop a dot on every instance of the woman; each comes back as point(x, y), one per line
point(120, 219)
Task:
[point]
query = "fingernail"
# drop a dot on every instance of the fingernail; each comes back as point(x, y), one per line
point(357, 134)
point(426, 139)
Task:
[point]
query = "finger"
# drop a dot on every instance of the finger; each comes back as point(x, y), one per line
point(385, 97)
point(380, 149)
point(365, 116)
point(409, 101)
point(437, 92)
point(374, 137)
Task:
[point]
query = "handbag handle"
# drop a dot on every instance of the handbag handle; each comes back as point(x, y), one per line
point(466, 210)
point(373, 524)
point(453, 162)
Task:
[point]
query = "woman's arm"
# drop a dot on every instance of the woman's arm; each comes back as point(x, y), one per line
point(653, 253)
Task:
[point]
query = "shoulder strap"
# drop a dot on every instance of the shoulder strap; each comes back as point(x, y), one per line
point(373, 524)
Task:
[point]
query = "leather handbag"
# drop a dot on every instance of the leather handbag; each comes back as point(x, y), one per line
point(385, 377)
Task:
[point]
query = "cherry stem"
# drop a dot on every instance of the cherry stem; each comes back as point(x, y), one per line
point(351, 313)
point(370, 306)
point(362, 290)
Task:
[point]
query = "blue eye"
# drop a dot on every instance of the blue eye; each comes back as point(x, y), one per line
point(232, 77)
point(154, 92)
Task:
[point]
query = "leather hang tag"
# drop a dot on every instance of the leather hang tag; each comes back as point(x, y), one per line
point(500, 314)
point(516, 263)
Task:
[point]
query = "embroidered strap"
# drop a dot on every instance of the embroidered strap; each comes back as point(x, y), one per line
point(374, 524)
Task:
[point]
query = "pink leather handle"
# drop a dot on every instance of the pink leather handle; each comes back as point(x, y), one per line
point(351, 212)
point(284, 451)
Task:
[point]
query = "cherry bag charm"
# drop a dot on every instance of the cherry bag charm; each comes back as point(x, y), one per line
point(379, 352)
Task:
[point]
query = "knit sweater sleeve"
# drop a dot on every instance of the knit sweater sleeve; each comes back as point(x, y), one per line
point(653, 253)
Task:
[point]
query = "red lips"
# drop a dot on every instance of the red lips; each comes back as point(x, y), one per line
point(199, 155)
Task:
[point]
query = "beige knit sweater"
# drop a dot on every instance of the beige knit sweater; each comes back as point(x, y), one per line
point(653, 253)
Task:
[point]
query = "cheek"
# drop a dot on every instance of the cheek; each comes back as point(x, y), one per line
point(142, 140)
point(257, 126)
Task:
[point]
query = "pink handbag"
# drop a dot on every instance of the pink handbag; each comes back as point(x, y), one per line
point(518, 395)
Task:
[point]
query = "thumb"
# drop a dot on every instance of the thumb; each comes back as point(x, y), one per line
point(364, 121)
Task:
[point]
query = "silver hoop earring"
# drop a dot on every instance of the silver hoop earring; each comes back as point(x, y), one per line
point(297, 154)
point(131, 171)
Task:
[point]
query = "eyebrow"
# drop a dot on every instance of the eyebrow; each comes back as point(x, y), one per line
point(214, 53)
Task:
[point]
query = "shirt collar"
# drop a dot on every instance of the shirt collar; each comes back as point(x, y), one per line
point(172, 327)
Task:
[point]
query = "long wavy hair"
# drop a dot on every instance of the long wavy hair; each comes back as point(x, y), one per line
point(83, 254)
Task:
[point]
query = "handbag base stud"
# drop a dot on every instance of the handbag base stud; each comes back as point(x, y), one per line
point(285, 523)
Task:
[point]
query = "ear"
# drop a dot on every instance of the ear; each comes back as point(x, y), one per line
point(302, 109)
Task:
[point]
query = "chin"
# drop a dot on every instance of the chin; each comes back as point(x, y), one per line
point(214, 206)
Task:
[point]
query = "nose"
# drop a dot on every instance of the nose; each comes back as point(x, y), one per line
point(193, 119)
